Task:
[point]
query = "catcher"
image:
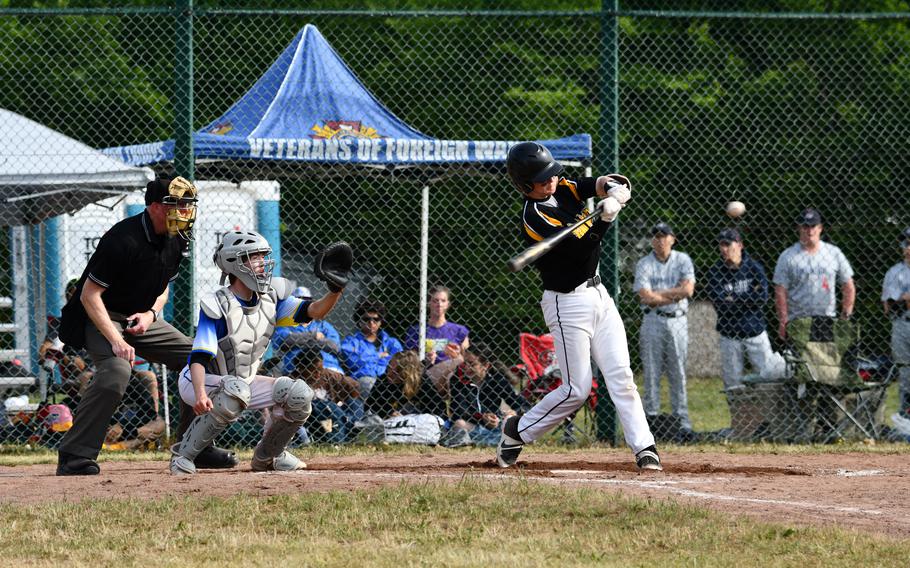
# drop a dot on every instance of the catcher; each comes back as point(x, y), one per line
point(236, 323)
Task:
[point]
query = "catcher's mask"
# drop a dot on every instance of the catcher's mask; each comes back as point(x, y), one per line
point(529, 163)
point(181, 203)
point(247, 256)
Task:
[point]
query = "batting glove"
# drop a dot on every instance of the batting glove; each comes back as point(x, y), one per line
point(609, 209)
point(620, 188)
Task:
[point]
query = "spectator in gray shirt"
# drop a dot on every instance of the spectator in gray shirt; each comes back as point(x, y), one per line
point(664, 282)
point(807, 274)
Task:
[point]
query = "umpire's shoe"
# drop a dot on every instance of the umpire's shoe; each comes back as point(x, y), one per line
point(647, 459)
point(510, 443)
point(215, 458)
point(69, 464)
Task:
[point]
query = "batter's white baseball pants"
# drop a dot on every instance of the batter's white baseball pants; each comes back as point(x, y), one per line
point(585, 323)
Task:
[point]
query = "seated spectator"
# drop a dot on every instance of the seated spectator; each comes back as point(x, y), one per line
point(137, 419)
point(320, 331)
point(479, 388)
point(336, 404)
point(406, 389)
point(440, 332)
point(738, 288)
point(367, 352)
point(68, 367)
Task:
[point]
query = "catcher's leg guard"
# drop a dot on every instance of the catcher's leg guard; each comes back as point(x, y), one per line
point(228, 402)
point(295, 398)
point(210, 457)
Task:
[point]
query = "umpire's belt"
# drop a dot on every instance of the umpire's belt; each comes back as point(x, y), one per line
point(673, 314)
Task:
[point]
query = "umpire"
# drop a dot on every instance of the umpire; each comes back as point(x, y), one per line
point(115, 315)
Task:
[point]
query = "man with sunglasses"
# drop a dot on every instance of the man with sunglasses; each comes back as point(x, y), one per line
point(367, 352)
point(115, 314)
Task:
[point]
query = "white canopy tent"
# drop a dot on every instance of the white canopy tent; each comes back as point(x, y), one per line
point(44, 174)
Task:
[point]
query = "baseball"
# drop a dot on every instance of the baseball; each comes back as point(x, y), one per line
point(736, 209)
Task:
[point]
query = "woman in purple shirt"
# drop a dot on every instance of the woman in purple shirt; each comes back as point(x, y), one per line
point(440, 332)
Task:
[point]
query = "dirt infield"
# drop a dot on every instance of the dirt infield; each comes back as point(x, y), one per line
point(858, 491)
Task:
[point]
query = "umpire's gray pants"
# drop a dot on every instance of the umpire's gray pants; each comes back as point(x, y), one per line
point(900, 350)
point(764, 361)
point(161, 343)
point(665, 346)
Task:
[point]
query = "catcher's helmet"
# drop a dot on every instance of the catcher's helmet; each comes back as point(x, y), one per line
point(233, 256)
point(529, 163)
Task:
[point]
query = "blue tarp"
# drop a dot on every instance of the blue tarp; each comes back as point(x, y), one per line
point(310, 107)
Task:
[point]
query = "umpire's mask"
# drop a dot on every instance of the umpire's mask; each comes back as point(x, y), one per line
point(181, 203)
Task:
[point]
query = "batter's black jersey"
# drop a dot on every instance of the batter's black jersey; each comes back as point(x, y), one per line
point(575, 259)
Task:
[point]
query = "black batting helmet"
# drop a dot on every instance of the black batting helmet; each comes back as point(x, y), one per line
point(529, 163)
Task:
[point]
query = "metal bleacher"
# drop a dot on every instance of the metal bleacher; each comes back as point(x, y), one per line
point(10, 385)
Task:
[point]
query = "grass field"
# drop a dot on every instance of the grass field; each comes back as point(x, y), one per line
point(465, 524)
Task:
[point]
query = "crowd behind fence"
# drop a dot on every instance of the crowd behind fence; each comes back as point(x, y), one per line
point(781, 114)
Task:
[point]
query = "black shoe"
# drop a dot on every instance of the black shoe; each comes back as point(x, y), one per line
point(510, 443)
point(68, 464)
point(648, 459)
point(215, 458)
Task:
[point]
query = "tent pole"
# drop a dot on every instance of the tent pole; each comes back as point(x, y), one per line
point(424, 252)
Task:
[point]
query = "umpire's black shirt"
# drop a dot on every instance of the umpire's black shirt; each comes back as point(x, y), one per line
point(575, 258)
point(133, 263)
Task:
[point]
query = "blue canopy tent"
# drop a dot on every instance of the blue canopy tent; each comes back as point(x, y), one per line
point(310, 108)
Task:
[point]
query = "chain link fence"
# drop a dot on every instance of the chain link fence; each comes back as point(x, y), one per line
point(779, 112)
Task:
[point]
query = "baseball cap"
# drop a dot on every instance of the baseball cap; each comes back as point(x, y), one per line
point(729, 236)
point(155, 190)
point(905, 237)
point(662, 228)
point(809, 217)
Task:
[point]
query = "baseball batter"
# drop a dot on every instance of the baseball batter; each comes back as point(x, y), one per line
point(236, 323)
point(664, 282)
point(580, 313)
point(896, 300)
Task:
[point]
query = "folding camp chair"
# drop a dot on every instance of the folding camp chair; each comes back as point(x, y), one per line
point(844, 392)
point(541, 375)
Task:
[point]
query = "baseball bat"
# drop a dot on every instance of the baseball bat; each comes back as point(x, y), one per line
point(537, 250)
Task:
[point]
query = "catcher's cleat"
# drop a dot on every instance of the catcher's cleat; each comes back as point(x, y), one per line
point(510, 443)
point(286, 461)
point(68, 464)
point(647, 459)
point(216, 458)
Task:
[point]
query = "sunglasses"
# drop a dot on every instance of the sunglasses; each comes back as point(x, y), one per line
point(370, 318)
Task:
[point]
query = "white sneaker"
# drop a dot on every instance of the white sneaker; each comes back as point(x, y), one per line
point(901, 423)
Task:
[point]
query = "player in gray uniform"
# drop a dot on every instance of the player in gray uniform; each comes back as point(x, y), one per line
point(664, 281)
point(896, 301)
point(236, 323)
point(806, 273)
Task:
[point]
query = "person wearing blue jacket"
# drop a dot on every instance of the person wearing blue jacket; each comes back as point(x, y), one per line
point(322, 332)
point(367, 352)
point(738, 288)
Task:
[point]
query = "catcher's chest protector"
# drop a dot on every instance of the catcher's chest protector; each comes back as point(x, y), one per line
point(249, 330)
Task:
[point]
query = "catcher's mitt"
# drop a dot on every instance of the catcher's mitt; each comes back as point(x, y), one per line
point(333, 265)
